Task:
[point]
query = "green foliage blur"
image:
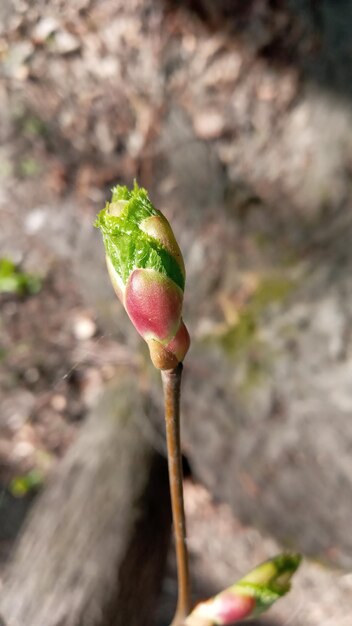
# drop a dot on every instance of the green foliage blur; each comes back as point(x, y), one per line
point(13, 280)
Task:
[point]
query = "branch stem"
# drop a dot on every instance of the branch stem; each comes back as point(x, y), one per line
point(171, 380)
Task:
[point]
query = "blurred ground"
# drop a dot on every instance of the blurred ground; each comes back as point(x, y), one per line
point(238, 120)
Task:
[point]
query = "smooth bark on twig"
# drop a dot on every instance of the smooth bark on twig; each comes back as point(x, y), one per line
point(172, 390)
point(94, 548)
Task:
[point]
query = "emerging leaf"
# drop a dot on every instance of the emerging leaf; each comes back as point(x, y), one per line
point(249, 597)
point(147, 271)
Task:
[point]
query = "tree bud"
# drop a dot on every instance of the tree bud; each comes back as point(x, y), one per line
point(147, 271)
point(249, 597)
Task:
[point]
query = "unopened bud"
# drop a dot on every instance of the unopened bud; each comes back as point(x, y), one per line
point(147, 271)
point(249, 597)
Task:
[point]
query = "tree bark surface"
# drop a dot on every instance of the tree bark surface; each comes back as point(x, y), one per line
point(94, 548)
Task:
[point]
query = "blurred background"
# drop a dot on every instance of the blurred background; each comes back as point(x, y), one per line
point(236, 116)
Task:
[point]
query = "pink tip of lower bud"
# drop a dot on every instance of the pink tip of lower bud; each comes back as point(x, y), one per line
point(225, 609)
point(230, 608)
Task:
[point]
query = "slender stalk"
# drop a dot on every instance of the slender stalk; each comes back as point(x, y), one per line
point(172, 384)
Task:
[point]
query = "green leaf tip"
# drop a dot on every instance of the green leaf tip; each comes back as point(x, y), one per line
point(276, 571)
point(128, 244)
point(121, 192)
point(269, 581)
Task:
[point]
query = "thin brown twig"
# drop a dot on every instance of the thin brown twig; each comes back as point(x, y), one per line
point(172, 385)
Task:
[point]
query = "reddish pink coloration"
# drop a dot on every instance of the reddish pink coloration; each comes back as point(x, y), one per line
point(230, 608)
point(168, 357)
point(180, 343)
point(153, 302)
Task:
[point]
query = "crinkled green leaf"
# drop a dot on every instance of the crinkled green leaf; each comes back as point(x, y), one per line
point(127, 246)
